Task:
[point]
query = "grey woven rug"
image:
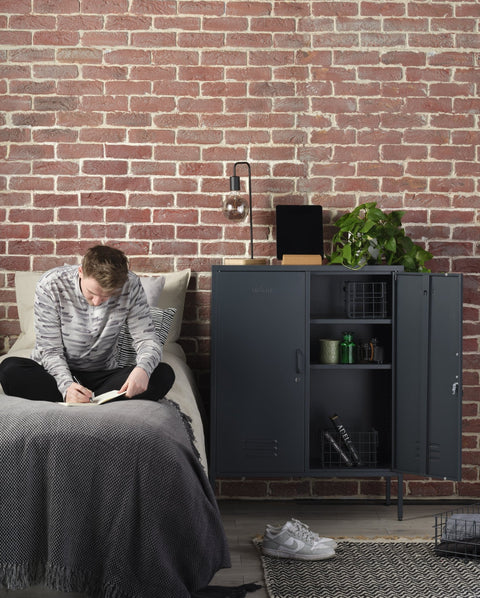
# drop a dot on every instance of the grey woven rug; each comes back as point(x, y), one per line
point(374, 570)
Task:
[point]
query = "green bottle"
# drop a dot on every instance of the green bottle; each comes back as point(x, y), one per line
point(347, 348)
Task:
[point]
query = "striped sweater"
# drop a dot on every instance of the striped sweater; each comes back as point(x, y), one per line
point(71, 334)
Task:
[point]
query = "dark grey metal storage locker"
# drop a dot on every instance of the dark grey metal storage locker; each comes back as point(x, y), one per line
point(272, 399)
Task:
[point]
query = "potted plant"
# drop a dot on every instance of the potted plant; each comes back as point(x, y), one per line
point(368, 236)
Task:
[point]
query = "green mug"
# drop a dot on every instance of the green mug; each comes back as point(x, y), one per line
point(329, 351)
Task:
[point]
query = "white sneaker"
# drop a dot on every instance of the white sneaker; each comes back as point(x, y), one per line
point(309, 533)
point(304, 533)
point(294, 540)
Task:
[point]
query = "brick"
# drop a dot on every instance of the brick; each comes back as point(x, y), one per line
point(10, 103)
point(105, 6)
point(15, 6)
point(42, 200)
point(404, 58)
point(106, 167)
point(403, 184)
point(103, 231)
point(425, 40)
point(31, 183)
point(89, 103)
point(55, 135)
point(30, 54)
point(55, 104)
point(52, 72)
point(236, 489)
point(151, 7)
point(385, 40)
point(128, 183)
point(103, 39)
point(79, 183)
point(76, 22)
point(14, 231)
point(79, 55)
point(157, 39)
point(24, 215)
point(290, 489)
point(406, 24)
point(68, 151)
point(129, 152)
point(14, 168)
point(431, 489)
point(54, 231)
point(204, 105)
point(129, 22)
point(325, 488)
point(201, 40)
point(49, 6)
point(24, 247)
point(56, 38)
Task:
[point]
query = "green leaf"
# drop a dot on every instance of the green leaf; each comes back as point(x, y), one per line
point(347, 253)
point(391, 244)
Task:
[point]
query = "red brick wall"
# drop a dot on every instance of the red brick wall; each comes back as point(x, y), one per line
point(120, 121)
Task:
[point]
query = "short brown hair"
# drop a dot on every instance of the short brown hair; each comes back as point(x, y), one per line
point(107, 265)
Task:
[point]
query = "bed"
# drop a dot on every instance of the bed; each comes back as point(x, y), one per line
point(108, 501)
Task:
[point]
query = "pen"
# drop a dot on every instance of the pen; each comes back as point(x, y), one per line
point(75, 379)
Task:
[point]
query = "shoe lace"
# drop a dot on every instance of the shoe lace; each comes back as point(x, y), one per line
point(304, 532)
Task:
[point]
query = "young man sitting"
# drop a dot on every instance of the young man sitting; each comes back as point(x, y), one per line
point(79, 312)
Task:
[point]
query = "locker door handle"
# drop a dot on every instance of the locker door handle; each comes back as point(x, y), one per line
point(454, 389)
point(298, 361)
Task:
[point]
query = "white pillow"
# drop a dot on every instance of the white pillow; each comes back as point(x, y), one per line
point(25, 285)
point(173, 295)
point(153, 287)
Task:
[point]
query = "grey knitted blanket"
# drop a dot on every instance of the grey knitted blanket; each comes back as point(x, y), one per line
point(107, 500)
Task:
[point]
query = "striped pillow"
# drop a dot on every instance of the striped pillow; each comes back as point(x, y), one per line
point(162, 320)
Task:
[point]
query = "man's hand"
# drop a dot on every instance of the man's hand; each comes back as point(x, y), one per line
point(136, 383)
point(76, 393)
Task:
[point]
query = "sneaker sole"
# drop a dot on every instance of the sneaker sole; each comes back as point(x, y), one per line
point(298, 557)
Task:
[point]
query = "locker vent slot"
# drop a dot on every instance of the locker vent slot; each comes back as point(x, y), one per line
point(260, 448)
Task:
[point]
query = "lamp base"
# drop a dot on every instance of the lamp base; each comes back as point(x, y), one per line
point(244, 261)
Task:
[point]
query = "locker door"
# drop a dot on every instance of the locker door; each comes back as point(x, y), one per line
point(258, 339)
point(445, 377)
point(411, 372)
point(428, 374)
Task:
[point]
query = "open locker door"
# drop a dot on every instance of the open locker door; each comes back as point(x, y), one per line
point(428, 374)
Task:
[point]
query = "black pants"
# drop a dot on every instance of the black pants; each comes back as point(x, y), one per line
point(22, 377)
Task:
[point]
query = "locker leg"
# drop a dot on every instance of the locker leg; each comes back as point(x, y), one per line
point(400, 496)
point(388, 489)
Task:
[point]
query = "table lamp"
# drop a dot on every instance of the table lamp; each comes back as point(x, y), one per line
point(236, 208)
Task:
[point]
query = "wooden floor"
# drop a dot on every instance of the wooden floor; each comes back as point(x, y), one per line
point(243, 520)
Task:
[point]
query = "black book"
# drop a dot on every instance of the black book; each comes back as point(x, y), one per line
point(344, 435)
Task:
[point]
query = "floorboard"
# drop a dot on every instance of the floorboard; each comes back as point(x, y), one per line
point(243, 520)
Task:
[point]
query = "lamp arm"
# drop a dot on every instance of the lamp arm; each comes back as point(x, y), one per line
point(249, 199)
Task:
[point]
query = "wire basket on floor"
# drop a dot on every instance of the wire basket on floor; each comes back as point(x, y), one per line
point(366, 300)
point(457, 532)
point(336, 453)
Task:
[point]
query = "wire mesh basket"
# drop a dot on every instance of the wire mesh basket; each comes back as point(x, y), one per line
point(366, 300)
point(360, 452)
point(457, 532)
